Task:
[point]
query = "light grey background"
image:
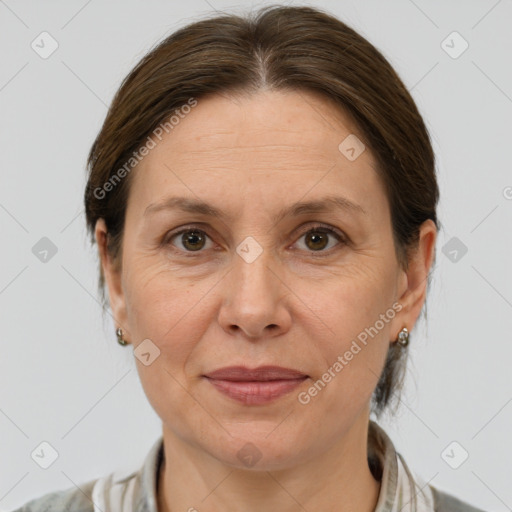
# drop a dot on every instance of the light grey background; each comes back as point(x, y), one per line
point(64, 378)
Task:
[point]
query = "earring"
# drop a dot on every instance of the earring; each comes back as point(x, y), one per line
point(403, 337)
point(120, 339)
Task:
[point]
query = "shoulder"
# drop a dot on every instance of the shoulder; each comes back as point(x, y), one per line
point(444, 502)
point(77, 499)
point(123, 489)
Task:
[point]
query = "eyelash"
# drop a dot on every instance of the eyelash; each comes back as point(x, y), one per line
point(319, 228)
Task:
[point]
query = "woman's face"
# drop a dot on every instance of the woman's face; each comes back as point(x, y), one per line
point(261, 278)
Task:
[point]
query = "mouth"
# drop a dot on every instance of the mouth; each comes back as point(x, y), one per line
point(255, 386)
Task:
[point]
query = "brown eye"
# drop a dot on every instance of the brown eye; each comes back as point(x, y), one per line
point(191, 240)
point(316, 241)
point(319, 238)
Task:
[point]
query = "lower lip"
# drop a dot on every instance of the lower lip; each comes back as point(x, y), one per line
point(254, 393)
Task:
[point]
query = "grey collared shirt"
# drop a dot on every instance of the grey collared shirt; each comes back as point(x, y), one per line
point(136, 491)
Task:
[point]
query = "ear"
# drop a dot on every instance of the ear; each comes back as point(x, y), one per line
point(112, 273)
point(414, 280)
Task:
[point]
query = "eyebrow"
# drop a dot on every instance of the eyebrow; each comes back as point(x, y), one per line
point(325, 204)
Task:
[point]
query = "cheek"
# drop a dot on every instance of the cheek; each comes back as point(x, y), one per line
point(169, 312)
point(351, 362)
point(165, 309)
point(350, 299)
point(352, 313)
point(155, 294)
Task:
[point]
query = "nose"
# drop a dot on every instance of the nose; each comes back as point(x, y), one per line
point(254, 299)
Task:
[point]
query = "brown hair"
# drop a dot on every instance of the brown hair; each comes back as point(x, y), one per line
point(277, 48)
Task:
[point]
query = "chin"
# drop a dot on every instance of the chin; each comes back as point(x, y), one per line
point(257, 451)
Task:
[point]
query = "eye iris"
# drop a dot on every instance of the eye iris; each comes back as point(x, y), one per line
point(316, 238)
point(195, 240)
point(192, 237)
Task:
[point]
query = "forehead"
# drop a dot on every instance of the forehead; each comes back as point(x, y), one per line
point(267, 144)
point(299, 119)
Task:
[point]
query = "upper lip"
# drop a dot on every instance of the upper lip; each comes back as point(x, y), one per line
point(261, 373)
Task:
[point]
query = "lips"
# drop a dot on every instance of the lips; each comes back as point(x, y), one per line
point(255, 386)
point(262, 373)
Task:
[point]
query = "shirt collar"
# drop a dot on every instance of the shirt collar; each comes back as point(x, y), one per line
point(383, 461)
point(401, 489)
point(146, 492)
point(398, 490)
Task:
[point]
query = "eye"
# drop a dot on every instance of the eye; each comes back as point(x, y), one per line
point(191, 239)
point(318, 238)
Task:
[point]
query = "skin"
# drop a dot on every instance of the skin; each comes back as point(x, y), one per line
point(293, 306)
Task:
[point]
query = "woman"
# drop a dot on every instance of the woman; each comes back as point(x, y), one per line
point(263, 196)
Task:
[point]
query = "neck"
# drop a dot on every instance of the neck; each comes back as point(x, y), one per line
point(337, 480)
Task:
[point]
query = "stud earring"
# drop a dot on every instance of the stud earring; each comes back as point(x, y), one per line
point(120, 339)
point(403, 337)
